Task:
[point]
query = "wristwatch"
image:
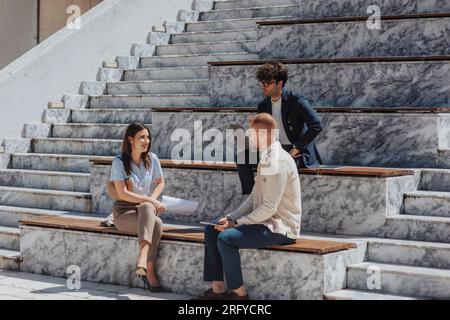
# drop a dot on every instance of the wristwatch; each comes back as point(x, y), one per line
point(231, 220)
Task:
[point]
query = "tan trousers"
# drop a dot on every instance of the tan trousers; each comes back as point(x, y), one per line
point(140, 219)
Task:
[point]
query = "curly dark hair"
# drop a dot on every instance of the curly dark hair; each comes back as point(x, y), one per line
point(272, 71)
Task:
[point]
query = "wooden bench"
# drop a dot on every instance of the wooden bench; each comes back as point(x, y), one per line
point(187, 234)
point(325, 170)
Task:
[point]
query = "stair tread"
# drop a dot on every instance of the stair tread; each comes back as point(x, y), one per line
point(366, 295)
point(252, 8)
point(206, 43)
point(189, 55)
point(77, 139)
point(12, 254)
point(426, 193)
point(242, 19)
point(403, 269)
point(59, 155)
point(158, 81)
point(211, 31)
point(47, 191)
point(9, 230)
point(154, 95)
point(47, 172)
point(412, 217)
point(410, 243)
point(167, 68)
point(52, 212)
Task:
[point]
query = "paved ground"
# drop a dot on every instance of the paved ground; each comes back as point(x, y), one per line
point(27, 286)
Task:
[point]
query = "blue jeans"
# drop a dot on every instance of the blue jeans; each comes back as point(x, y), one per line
point(222, 250)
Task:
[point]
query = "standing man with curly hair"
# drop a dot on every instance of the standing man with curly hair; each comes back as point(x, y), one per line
point(298, 123)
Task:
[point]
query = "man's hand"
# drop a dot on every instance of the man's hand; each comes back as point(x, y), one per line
point(224, 224)
point(295, 153)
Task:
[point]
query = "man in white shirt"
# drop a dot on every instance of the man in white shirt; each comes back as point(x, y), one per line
point(271, 215)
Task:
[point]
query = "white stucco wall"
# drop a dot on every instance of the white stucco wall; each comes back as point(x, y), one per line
point(58, 65)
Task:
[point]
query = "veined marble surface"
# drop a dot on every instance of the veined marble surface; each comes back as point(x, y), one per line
point(111, 259)
point(361, 84)
point(364, 139)
point(412, 37)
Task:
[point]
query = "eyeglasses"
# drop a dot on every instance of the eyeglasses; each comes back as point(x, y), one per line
point(266, 84)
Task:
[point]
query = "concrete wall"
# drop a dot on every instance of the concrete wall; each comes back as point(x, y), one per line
point(58, 65)
point(18, 28)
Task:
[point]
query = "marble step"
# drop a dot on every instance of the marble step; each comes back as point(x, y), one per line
point(418, 228)
point(352, 294)
point(401, 280)
point(353, 83)
point(191, 86)
point(11, 215)
point(90, 130)
point(230, 24)
point(207, 47)
point(410, 253)
point(190, 60)
point(405, 37)
point(435, 180)
point(168, 73)
point(46, 199)
point(10, 260)
point(95, 147)
point(111, 116)
point(213, 36)
point(427, 203)
point(149, 101)
point(53, 180)
point(10, 238)
point(52, 162)
point(256, 12)
point(309, 9)
point(234, 4)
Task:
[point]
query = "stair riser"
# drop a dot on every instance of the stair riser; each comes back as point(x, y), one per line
point(183, 87)
point(11, 219)
point(355, 39)
point(220, 5)
point(10, 241)
point(41, 181)
point(315, 9)
point(402, 284)
point(415, 256)
point(143, 102)
point(212, 37)
point(161, 62)
point(93, 132)
point(204, 48)
point(431, 231)
point(404, 84)
point(113, 116)
point(168, 74)
point(45, 201)
point(251, 13)
point(427, 206)
point(51, 163)
point(221, 25)
point(99, 148)
point(9, 264)
point(432, 180)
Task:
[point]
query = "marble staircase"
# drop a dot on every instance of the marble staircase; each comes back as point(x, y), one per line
point(53, 176)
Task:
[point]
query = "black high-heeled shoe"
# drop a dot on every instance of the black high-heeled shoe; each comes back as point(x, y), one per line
point(151, 288)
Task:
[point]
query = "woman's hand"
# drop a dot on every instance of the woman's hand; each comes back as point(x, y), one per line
point(159, 206)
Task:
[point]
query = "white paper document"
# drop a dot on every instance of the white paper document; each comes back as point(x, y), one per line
point(179, 206)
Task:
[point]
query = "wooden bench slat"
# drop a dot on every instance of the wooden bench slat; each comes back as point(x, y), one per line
point(332, 60)
point(180, 234)
point(231, 166)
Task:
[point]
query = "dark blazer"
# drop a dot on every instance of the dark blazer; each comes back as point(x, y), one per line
point(301, 123)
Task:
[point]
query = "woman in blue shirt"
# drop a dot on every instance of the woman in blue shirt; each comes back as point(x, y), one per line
point(138, 209)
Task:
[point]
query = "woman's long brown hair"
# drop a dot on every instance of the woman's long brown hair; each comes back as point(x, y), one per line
point(132, 131)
